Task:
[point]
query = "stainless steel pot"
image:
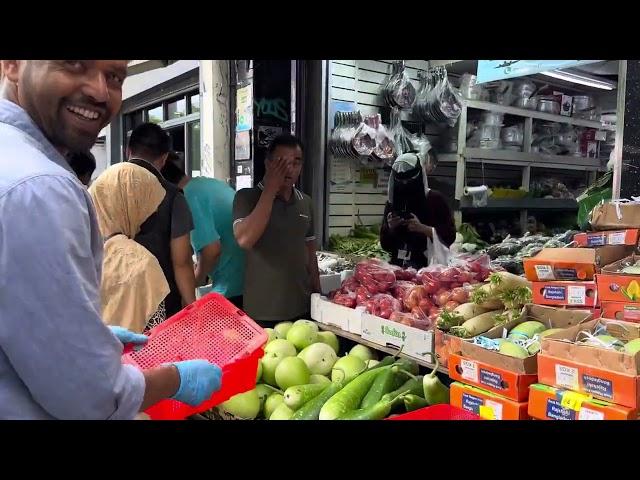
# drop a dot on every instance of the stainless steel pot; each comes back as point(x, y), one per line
point(492, 119)
point(583, 102)
point(490, 137)
point(524, 89)
point(526, 103)
point(548, 105)
point(513, 135)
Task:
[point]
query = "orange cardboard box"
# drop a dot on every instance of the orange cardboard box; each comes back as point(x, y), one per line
point(508, 376)
point(619, 287)
point(486, 404)
point(549, 403)
point(629, 312)
point(445, 345)
point(511, 385)
point(606, 374)
point(601, 383)
point(572, 263)
point(612, 237)
point(570, 294)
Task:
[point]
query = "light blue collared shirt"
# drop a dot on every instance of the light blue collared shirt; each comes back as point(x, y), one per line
point(57, 359)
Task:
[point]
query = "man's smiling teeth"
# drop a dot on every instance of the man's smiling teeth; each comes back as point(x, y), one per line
point(83, 112)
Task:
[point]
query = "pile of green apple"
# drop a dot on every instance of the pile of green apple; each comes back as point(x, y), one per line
point(297, 353)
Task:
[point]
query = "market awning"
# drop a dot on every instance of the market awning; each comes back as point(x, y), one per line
point(140, 66)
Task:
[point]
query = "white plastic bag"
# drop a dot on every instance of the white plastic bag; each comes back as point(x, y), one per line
point(437, 253)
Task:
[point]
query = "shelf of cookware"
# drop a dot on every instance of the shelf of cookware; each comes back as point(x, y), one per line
point(503, 204)
point(522, 112)
point(525, 159)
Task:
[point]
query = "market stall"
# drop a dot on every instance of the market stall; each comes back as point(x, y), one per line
point(530, 318)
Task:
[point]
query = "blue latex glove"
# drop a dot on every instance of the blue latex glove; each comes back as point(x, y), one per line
point(127, 336)
point(199, 380)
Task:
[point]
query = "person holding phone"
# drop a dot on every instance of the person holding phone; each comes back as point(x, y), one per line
point(417, 227)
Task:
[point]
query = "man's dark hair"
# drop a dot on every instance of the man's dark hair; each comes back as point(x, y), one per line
point(82, 163)
point(172, 170)
point(149, 140)
point(284, 140)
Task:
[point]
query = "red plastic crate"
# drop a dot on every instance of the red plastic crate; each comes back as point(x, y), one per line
point(212, 329)
point(437, 412)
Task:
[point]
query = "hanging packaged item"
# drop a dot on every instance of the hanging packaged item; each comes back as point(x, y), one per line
point(399, 91)
point(439, 101)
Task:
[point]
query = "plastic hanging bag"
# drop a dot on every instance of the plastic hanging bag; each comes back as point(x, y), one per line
point(399, 91)
point(437, 253)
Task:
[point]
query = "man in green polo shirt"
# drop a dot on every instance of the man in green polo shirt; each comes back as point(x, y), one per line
point(273, 223)
point(219, 256)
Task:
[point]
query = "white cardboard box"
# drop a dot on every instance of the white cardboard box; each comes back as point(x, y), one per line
point(329, 313)
point(329, 283)
point(413, 341)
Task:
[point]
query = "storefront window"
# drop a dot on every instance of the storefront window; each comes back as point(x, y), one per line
point(155, 114)
point(194, 145)
point(177, 109)
point(195, 103)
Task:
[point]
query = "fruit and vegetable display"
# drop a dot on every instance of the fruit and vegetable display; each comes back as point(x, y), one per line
point(522, 341)
point(329, 263)
point(493, 303)
point(603, 338)
point(510, 253)
point(410, 297)
point(303, 377)
point(467, 240)
point(361, 242)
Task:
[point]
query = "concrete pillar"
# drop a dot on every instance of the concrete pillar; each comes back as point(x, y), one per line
point(214, 119)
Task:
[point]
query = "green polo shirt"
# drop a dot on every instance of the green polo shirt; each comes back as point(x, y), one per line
point(276, 282)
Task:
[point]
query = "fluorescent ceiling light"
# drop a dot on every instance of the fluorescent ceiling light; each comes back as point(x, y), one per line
point(581, 79)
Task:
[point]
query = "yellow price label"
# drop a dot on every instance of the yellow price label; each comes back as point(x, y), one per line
point(487, 413)
point(573, 400)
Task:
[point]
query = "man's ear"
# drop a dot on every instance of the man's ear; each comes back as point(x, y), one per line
point(10, 69)
point(162, 160)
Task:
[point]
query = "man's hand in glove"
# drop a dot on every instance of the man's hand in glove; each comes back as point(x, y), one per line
point(199, 380)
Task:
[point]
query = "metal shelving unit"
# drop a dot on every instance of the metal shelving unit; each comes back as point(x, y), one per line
point(522, 112)
point(526, 159)
point(523, 204)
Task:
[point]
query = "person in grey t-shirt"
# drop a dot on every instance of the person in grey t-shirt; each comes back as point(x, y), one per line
point(273, 222)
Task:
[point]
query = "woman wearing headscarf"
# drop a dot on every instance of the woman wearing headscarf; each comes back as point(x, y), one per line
point(133, 285)
point(418, 227)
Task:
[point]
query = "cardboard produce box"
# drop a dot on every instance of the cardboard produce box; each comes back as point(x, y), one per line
point(387, 333)
point(549, 403)
point(329, 313)
point(502, 374)
point(486, 404)
point(606, 374)
point(445, 345)
point(572, 263)
point(616, 216)
point(506, 383)
point(629, 312)
point(569, 294)
point(614, 286)
point(613, 237)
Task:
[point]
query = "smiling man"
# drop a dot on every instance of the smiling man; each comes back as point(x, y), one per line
point(273, 222)
point(57, 358)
